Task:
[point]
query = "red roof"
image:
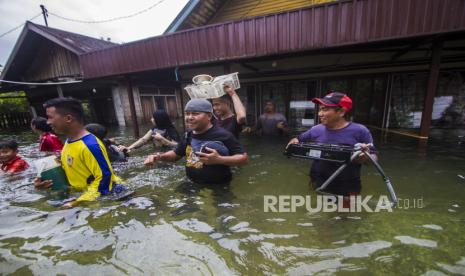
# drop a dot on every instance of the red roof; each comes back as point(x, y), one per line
point(346, 22)
point(26, 46)
point(80, 43)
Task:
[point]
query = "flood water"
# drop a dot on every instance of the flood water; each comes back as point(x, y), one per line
point(171, 226)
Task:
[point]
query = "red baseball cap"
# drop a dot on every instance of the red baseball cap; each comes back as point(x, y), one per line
point(335, 99)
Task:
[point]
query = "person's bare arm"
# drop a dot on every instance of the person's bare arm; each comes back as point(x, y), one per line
point(239, 108)
point(282, 126)
point(293, 141)
point(142, 141)
point(165, 141)
point(169, 156)
point(256, 128)
point(42, 184)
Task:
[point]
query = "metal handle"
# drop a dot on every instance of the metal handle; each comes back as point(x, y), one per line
point(338, 171)
point(386, 179)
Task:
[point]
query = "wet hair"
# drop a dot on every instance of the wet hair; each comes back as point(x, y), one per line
point(163, 122)
point(40, 123)
point(225, 98)
point(9, 144)
point(97, 129)
point(67, 106)
point(162, 119)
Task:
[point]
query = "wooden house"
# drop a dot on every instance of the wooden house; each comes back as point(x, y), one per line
point(401, 61)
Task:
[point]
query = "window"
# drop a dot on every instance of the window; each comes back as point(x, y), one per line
point(153, 99)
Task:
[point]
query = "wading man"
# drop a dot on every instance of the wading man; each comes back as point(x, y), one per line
point(225, 115)
point(84, 157)
point(334, 128)
point(209, 149)
point(270, 123)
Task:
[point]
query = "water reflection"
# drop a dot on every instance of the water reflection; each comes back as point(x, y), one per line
point(172, 226)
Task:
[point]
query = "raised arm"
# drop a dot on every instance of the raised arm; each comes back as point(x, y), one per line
point(239, 108)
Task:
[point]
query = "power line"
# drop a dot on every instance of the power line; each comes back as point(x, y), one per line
point(86, 21)
point(106, 20)
point(17, 27)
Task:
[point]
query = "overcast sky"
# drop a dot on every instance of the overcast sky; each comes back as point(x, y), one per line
point(151, 23)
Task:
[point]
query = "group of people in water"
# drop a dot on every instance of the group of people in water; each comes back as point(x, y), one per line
point(210, 145)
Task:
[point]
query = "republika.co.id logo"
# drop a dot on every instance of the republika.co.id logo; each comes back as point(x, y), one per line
point(332, 203)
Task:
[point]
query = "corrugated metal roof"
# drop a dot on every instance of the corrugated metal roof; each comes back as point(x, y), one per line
point(333, 24)
point(80, 43)
point(27, 48)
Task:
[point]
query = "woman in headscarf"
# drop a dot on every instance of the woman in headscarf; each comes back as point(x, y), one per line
point(163, 134)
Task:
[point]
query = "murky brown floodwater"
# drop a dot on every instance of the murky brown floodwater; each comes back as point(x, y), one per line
point(172, 226)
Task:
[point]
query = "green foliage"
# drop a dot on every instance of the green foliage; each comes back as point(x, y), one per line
point(13, 104)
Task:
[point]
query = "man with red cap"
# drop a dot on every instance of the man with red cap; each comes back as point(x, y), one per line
point(334, 128)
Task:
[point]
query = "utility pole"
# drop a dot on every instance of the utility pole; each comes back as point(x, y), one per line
point(45, 14)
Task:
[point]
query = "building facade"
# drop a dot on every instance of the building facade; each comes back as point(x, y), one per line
point(402, 61)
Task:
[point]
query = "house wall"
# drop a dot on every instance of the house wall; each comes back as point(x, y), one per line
point(52, 61)
point(391, 100)
point(155, 97)
point(408, 96)
point(118, 104)
point(122, 89)
point(384, 96)
point(240, 9)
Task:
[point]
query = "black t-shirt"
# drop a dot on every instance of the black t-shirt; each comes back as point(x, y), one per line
point(217, 138)
point(230, 124)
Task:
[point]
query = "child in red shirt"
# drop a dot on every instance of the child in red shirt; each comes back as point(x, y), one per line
point(48, 141)
point(9, 160)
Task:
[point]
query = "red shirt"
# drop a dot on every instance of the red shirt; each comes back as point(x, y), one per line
point(50, 142)
point(15, 165)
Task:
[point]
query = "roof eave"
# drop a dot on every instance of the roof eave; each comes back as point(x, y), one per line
point(31, 27)
point(54, 39)
point(12, 56)
point(181, 17)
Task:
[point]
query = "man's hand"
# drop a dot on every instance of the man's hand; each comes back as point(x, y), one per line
point(69, 205)
point(362, 158)
point(281, 125)
point(211, 158)
point(124, 149)
point(39, 184)
point(293, 141)
point(229, 90)
point(152, 159)
point(247, 130)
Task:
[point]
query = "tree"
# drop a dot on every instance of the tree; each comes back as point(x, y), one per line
point(13, 102)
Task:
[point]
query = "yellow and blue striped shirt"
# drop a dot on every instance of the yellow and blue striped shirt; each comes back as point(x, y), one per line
point(87, 167)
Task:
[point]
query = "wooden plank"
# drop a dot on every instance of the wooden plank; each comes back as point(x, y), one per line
point(132, 106)
point(431, 88)
point(239, 9)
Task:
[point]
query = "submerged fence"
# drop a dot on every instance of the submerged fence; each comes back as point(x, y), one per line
point(14, 120)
